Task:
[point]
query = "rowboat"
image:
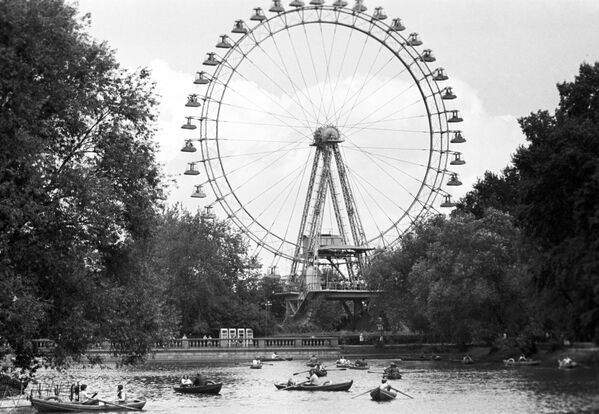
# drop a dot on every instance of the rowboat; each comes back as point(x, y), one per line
point(342, 364)
point(382, 395)
point(528, 362)
point(393, 375)
point(567, 363)
point(54, 405)
point(213, 388)
point(341, 386)
point(363, 367)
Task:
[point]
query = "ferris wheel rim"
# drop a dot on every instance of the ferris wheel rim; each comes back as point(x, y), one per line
point(438, 171)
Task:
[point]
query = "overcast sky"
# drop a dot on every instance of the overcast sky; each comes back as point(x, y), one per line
point(504, 59)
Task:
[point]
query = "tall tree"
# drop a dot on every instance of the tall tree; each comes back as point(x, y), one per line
point(79, 184)
point(458, 279)
point(559, 173)
point(211, 279)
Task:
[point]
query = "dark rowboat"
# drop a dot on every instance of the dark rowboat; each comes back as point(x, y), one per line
point(358, 367)
point(54, 405)
point(341, 386)
point(510, 362)
point(213, 388)
point(382, 395)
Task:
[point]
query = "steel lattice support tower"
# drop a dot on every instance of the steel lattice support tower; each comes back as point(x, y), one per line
point(328, 180)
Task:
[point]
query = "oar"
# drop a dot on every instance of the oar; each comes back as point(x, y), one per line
point(126, 407)
point(301, 372)
point(359, 395)
point(395, 389)
point(336, 369)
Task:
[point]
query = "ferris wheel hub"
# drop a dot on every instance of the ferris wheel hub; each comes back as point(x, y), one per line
point(327, 134)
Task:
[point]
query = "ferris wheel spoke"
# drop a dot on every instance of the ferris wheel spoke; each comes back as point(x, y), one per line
point(328, 80)
point(384, 212)
point(282, 67)
point(383, 85)
point(224, 121)
point(376, 201)
point(276, 84)
point(317, 81)
point(386, 171)
point(303, 76)
point(385, 104)
point(356, 93)
point(291, 189)
point(341, 66)
point(369, 76)
point(289, 114)
point(358, 61)
point(327, 72)
point(260, 111)
point(296, 89)
point(388, 157)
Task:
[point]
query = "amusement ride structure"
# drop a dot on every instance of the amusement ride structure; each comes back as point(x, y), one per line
point(324, 135)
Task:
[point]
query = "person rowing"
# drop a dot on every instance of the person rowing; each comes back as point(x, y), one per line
point(186, 381)
point(385, 386)
point(392, 371)
point(199, 380)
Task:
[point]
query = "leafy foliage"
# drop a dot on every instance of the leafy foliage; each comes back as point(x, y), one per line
point(211, 280)
point(559, 204)
point(459, 279)
point(79, 185)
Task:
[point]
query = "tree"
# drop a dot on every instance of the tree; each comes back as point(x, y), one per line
point(559, 173)
point(211, 280)
point(458, 279)
point(497, 191)
point(79, 184)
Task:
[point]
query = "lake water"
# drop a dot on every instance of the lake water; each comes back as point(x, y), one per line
point(436, 387)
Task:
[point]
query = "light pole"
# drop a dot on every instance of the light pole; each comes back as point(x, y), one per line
point(268, 304)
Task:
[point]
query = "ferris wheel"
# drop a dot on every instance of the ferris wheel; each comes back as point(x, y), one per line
point(317, 118)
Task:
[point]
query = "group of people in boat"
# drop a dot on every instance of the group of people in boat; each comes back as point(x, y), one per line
point(198, 381)
point(81, 394)
point(392, 371)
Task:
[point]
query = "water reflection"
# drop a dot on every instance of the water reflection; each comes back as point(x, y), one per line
point(437, 387)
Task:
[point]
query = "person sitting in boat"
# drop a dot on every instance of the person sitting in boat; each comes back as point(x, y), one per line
point(522, 358)
point(186, 381)
point(360, 363)
point(385, 386)
point(256, 362)
point(290, 382)
point(121, 395)
point(342, 360)
point(467, 359)
point(313, 359)
point(274, 356)
point(392, 369)
point(199, 380)
point(84, 398)
point(313, 378)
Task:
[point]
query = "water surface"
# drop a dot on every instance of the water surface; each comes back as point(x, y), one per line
point(436, 387)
